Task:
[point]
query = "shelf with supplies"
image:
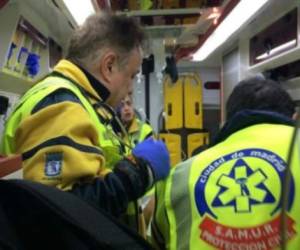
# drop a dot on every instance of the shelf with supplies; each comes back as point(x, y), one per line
point(268, 50)
point(26, 53)
point(276, 61)
point(24, 61)
point(30, 43)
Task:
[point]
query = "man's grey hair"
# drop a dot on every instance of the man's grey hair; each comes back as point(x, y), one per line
point(104, 31)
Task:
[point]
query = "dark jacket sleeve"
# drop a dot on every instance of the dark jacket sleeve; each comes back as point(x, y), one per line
point(128, 181)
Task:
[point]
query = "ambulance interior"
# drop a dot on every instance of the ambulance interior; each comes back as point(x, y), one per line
point(196, 53)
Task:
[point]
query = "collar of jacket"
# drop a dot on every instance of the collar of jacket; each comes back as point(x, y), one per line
point(246, 118)
point(82, 78)
point(134, 126)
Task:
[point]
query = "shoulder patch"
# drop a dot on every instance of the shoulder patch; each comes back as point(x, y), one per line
point(53, 164)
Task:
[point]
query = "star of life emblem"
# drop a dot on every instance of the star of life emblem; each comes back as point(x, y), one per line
point(242, 188)
point(238, 202)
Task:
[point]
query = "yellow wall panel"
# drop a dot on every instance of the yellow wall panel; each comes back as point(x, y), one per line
point(173, 142)
point(173, 103)
point(196, 140)
point(193, 108)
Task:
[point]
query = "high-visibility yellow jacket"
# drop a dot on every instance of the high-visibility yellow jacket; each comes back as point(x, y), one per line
point(228, 197)
point(136, 133)
point(62, 129)
point(139, 131)
point(64, 142)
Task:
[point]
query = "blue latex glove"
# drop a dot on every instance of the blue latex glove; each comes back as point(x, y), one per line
point(32, 64)
point(156, 153)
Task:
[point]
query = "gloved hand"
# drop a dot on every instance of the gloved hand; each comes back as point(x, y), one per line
point(156, 154)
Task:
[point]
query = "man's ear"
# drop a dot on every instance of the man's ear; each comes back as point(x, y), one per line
point(107, 65)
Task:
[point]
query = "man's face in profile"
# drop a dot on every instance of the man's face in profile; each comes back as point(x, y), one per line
point(123, 77)
point(127, 110)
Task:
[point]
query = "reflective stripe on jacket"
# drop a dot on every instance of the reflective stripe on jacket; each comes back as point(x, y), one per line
point(139, 131)
point(89, 147)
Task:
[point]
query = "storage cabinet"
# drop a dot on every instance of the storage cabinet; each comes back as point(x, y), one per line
point(25, 54)
point(183, 130)
point(277, 38)
point(33, 37)
point(183, 102)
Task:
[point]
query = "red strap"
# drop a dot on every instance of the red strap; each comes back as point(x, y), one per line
point(10, 164)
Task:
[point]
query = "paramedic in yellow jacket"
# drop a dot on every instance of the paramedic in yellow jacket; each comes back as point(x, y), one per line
point(228, 197)
point(137, 131)
point(62, 125)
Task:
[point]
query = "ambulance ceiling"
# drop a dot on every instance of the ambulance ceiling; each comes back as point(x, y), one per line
point(163, 18)
point(181, 23)
point(155, 13)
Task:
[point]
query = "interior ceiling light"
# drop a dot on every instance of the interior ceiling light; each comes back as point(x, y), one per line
point(242, 13)
point(80, 9)
point(277, 49)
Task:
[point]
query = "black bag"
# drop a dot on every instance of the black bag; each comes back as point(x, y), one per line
point(35, 216)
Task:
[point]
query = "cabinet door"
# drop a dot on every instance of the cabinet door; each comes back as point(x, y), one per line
point(193, 107)
point(173, 142)
point(173, 103)
point(195, 141)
